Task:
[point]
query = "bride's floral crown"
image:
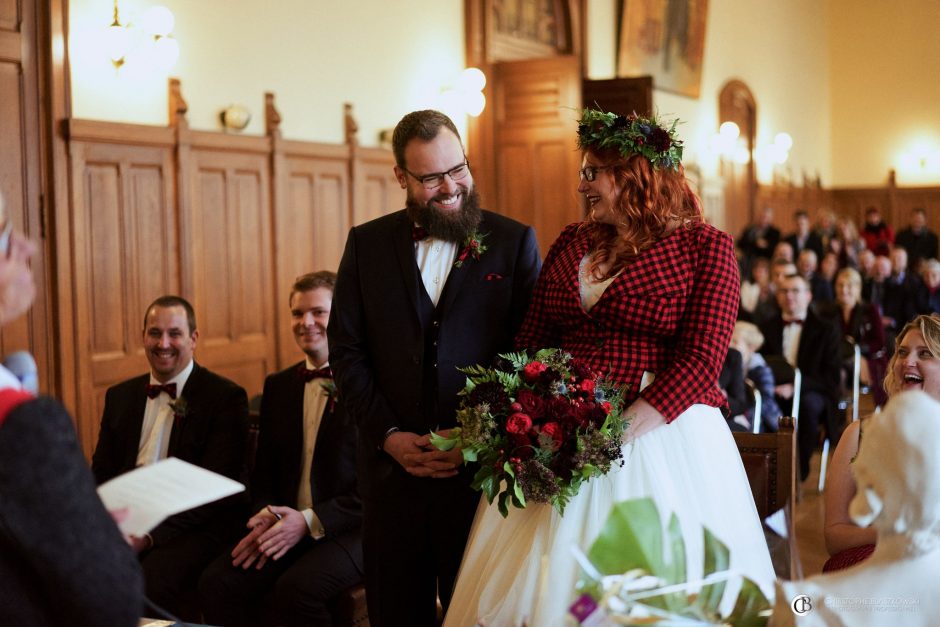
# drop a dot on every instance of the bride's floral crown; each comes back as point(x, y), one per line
point(631, 135)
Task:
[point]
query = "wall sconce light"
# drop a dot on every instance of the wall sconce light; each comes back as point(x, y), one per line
point(465, 95)
point(729, 144)
point(921, 160)
point(235, 117)
point(776, 153)
point(152, 39)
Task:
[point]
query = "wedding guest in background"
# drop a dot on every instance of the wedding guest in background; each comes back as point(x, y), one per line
point(779, 270)
point(861, 322)
point(804, 238)
point(758, 289)
point(877, 234)
point(747, 339)
point(304, 546)
point(906, 295)
point(62, 559)
point(758, 239)
point(866, 264)
point(806, 265)
point(919, 241)
point(439, 285)
point(914, 366)
point(847, 243)
point(178, 409)
point(932, 283)
point(828, 266)
point(783, 251)
point(732, 386)
point(811, 343)
point(825, 228)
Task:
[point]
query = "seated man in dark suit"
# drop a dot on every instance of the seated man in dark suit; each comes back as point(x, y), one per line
point(305, 539)
point(179, 409)
point(810, 343)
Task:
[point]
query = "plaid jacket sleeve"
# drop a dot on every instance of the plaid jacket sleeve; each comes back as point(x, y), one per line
point(704, 330)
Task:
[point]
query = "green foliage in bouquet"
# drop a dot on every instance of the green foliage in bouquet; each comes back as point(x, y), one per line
point(538, 427)
point(630, 548)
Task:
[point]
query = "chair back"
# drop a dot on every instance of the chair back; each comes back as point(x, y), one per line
point(769, 460)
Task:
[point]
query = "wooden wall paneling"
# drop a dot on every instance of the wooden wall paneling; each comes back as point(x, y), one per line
point(231, 269)
point(376, 191)
point(21, 164)
point(124, 242)
point(311, 225)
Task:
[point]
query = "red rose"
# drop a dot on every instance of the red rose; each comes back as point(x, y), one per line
point(531, 403)
point(555, 433)
point(587, 385)
point(532, 371)
point(515, 407)
point(606, 407)
point(518, 424)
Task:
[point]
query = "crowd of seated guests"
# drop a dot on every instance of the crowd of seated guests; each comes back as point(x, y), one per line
point(862, 286)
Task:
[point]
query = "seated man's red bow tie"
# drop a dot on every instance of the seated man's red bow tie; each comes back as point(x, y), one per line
point(308, 375)
point(419, 233)
point(153, 391)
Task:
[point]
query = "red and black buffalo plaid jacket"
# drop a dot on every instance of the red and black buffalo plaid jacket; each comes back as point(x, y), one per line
point(671, 312)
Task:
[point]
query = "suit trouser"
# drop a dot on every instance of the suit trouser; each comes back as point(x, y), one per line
point(299, 585)
point(414, 534)
point(172, 569)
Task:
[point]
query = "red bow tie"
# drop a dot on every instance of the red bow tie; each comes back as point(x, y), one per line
point(307, 375)
point(793, 321)
point(419, 233)
point(153, 391)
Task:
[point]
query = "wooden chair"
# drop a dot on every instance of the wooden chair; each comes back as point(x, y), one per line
point(770, 463)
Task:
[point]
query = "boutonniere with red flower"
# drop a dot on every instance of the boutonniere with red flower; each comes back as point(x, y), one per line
point(329, 386)
point(180, 410)
point(473, 247)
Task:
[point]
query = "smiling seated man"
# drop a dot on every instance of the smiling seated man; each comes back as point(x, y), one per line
point(178, 409)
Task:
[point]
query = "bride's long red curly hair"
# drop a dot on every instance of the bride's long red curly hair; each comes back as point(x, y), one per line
point(652, 203)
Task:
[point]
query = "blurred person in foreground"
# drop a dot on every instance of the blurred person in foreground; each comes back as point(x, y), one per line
point(62, 559)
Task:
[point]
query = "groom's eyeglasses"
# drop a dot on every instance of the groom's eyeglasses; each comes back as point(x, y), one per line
point(589, 173)
point(436, 179)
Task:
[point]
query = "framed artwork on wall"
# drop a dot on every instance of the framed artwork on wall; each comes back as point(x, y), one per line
point(665, 39)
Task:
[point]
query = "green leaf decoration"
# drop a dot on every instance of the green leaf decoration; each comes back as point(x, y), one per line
point(446, 443)
point(717, 558)
point(632, 540)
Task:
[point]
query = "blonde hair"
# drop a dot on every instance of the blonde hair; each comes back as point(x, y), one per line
point(929, 327)
point(748, 333)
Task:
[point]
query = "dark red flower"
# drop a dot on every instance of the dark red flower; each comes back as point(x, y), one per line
point(660, 139)
point(518, 424)
point(554, 433)
point(532, 371)
point(587, 385)
point(531, 403)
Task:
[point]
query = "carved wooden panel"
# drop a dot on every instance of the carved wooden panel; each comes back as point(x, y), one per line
point(377, 191)
point(311, 229)
point(228, 223)
point(124, 238)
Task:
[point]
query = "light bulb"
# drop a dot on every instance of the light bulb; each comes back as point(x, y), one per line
point(158, 21)
point(471, 79)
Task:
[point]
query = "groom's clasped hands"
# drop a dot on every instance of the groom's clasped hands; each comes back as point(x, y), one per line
point(420, 458)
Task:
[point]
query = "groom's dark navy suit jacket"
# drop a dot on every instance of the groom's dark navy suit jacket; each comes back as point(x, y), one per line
point(395, 358)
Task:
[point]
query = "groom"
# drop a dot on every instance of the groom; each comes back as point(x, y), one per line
point(439, 285)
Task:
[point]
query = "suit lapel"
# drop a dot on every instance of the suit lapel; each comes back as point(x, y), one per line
point(404, 247)
point(137, 405)
point(190, 394)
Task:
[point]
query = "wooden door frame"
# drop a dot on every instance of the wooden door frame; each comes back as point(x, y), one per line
point(480, 140)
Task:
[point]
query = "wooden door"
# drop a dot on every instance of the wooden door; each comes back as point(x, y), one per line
point(20, 171)
point(536, 108)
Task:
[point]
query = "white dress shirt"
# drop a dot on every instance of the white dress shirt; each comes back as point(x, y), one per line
point(316, 397)
point(158, 420)
point(435, 258)
point(791, 341)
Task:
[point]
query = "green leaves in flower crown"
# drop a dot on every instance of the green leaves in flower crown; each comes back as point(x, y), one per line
point(631, 135)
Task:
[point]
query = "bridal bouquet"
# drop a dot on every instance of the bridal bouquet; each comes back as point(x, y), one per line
point(538, 426)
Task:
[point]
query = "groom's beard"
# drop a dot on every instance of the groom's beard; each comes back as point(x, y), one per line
point(456, 226)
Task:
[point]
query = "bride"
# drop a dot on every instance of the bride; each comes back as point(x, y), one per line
point(646, 293)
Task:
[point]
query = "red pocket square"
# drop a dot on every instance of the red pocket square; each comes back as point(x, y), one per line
point(493, 276)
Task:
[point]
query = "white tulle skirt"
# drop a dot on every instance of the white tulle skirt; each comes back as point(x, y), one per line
point(520, 570)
